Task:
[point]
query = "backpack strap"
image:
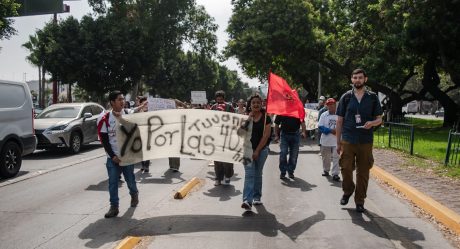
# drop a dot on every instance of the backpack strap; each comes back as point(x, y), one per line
point(104, 119)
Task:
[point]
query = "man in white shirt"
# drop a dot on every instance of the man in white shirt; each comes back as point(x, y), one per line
point(327, 123)
point(106, 126)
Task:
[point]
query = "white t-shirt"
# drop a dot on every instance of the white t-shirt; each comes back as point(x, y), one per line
point(330, 121)
point(111, 129)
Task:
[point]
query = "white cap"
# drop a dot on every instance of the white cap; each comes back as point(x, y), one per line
point(322, 98)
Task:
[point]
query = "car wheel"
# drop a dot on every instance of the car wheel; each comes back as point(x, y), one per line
point(10, 160)
point(75, 142)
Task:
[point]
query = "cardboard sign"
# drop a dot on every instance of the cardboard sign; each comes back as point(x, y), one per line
point(199, 97)
point(311, 119)
point(189, 133)
point(155, 104)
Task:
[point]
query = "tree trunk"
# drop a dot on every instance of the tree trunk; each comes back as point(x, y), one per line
point(69, 93)
point(40, 89)
point(431, 82)
point(44, 87)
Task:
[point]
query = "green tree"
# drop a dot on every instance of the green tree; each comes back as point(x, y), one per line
point(8, 8)
point(277, 35)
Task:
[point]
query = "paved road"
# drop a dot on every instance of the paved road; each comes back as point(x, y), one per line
point(64, 209)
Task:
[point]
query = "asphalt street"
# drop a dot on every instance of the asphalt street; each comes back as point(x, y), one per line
point(64, 208)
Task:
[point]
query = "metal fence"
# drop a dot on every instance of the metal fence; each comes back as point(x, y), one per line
point(396, 135)
point(453, 149)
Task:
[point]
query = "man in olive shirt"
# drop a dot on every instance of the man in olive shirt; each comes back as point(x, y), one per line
point(358, 112)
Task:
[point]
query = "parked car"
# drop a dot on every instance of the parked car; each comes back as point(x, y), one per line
point(17, 137)
point(439, 113)
point(68, 125)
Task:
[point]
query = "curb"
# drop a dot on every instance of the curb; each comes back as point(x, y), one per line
point(41, 172)
point(443, 214)
point(128, 242)
point(182, 192)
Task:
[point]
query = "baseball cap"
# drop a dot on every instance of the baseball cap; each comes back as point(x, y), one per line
point(322, 98)
point(330, 101)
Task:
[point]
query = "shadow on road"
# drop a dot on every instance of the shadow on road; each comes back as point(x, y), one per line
point(20, 173)
point(298, 183)
point(109, 230)
point(385, 228)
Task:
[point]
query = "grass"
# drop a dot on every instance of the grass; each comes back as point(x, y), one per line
point(430, 139)
point(430, 143)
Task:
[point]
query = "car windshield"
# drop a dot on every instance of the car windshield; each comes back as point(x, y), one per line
point(60, 112)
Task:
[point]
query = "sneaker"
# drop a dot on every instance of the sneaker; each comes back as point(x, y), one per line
point(227, 181)
point(256, 202)
point(217, 183)
point(291, 175)
point(146, 170)
point(283, 176)
point(113, 211)
point(246, 206)
point(344, 200)
point(134, 200)
point(360, 208)
point(336, 178)
point(325, 173)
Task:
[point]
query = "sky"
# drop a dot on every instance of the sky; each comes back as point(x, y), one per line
point(15, 67)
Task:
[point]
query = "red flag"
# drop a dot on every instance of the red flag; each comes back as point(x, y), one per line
point(282, 100)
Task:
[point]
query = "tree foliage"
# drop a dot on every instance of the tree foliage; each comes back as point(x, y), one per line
point(396, 41)
point(168, 46)
point(8, 8)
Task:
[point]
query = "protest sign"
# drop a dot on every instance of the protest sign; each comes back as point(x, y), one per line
point(155, 104)
point(190, 133)
point(311, 106)
point(199, 97)
point(311, 119)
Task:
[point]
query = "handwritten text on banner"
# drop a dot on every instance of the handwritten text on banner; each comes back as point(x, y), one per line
point(192, 133)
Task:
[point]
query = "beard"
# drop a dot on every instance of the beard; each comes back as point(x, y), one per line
point(358, 86)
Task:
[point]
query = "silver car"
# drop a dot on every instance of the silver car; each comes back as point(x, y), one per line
point(68, 125)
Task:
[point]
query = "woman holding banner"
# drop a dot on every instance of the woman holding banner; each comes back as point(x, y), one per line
point(260, 139)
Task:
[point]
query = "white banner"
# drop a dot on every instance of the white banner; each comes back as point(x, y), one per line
point(311, 119)
point(155, 104)
point(199, 97)
point(311, 106)
point(190, 133)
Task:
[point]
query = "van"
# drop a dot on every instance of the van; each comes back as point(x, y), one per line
point(17, 137)
point(410, 108)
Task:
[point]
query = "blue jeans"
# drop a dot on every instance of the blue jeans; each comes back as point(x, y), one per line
point(114, 170)
point(253, 177)
point(289, 144)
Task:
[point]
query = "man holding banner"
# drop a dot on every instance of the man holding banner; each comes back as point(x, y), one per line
point(108, 135)
point(222, 169)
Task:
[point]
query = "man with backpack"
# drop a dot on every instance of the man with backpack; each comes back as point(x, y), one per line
point(107, 134)
point(358, 112)
point(222, 169)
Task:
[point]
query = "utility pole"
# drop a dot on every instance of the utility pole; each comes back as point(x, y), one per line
point(55, 86)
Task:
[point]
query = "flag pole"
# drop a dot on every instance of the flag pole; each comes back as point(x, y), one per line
point(268, 89)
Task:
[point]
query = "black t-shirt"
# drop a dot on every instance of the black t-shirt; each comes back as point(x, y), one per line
point(258, 131)
point(288, 124)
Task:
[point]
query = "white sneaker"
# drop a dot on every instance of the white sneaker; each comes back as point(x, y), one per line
point(227, 181)
point(256, 202)
point(217, 183)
